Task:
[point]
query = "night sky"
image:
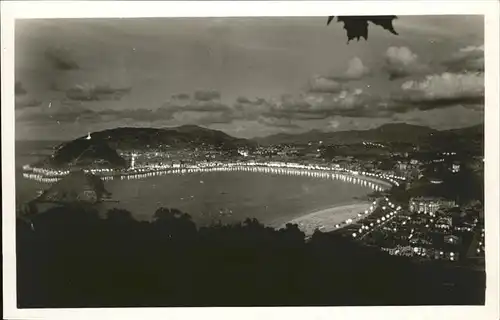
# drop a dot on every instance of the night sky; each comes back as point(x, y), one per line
point(245, 76)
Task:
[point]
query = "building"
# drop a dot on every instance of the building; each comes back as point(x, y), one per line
point(415, 162)
point(429, 205)
point(452, 239)
point(402, 166)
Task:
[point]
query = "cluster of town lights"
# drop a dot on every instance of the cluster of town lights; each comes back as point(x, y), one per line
point(364, 229)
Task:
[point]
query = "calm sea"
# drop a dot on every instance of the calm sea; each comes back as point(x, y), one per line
point(273, 199)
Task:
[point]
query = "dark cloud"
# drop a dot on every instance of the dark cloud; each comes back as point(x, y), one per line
point(181, 96)
point(278, 123)
point(215, 118)
point(401, 62)
point(247, 109)
point(185, 111)
point(243, 100)
point(467, 59)
point(90, 92)
point(350, 103)
point(19, 89)
point(195, 106)
point(429, 104)
point(449, 117)
point(203, 107)
point(206, 95)
point(291, 114)
point(132, 114)
point(61, 58)
point(61, 115)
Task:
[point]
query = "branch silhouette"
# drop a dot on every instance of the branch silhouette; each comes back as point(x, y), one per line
point(357, 26)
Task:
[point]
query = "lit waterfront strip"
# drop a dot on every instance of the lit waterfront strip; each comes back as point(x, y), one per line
point(375, 181)
point(50, 175)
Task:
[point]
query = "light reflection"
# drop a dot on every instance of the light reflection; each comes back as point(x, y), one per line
point(370, 180)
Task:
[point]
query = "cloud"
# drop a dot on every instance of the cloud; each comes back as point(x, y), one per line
point(91, 92)
point(61, 58)
point(60, 115)
point(132, 114)
point(356, 70)
point(323, 84)
point(21, 103)
point(178, 110)
point(401, 62)
point(442, 90)
point(278, 122)
point(443, 118)
point(18, 89)
point(213, 118)
point(204, 108)
point(181, 96)
point(207, 95)
point(470, 58)
point(245, 108)
point(315, 106)
point(195, 106)
point(333, 124)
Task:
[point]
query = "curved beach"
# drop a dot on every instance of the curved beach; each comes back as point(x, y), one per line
point(326, 219)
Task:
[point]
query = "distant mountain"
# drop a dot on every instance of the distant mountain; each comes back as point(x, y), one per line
point(394, 132)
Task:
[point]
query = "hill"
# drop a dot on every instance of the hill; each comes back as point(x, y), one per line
point(101, 148)
point(387, 133)
point(77, 186)
point(126, 138)
point(83, 152)
point(469, 140)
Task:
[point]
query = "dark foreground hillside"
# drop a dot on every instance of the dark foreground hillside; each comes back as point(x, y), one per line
point(69, 257)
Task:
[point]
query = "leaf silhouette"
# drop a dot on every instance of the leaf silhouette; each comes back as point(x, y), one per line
point(357, 26)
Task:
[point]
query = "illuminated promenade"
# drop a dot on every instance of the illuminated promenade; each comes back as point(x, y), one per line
point(374, 181)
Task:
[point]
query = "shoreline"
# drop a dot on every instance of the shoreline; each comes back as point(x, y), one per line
point(326, 219)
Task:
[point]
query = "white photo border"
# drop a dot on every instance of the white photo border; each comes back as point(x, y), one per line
point(11, 10)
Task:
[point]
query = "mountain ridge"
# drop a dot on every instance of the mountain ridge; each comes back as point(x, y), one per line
point(392, 132)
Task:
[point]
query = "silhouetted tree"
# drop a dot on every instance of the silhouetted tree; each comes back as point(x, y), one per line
point(72, 258)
